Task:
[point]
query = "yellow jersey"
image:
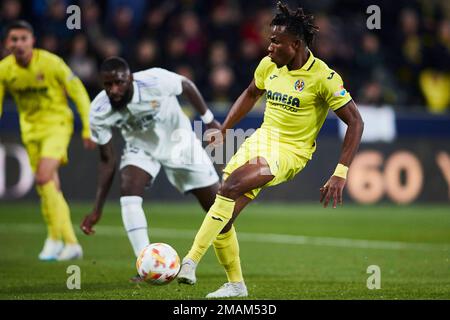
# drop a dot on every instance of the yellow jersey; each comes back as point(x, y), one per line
point(39, 91)
point(297, 101)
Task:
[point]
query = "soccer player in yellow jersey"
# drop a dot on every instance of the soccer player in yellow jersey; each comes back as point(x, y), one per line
point(38, 81)
point(300, 89)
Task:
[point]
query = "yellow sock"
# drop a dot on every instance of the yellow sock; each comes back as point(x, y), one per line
point(226, 247)
point(217, 217)
point(49, 208)
point(67, 232)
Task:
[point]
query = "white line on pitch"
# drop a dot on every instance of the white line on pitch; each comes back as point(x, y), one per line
point(252, 237)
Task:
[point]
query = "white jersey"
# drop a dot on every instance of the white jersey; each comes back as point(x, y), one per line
point(152, 121)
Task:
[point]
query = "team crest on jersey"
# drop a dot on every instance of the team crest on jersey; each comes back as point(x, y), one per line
point(299, 85)
point(40, 76)
point(154, 104)
point(341, 92)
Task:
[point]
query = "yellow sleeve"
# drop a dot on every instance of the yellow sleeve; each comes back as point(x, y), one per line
point(77, 92)
point(332, 90)
point(261, 72)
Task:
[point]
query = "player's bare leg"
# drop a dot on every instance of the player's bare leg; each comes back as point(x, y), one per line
point(206, 195)
point(132, 185)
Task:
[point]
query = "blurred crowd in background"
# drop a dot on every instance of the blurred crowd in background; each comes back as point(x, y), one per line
point(218, 43)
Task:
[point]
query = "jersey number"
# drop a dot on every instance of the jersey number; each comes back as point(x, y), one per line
point(331, 76)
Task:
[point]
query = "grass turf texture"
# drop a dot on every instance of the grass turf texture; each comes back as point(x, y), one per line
point(287, 252)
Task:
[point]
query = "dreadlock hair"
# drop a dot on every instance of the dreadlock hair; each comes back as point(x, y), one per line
point(114, 64)
point(297, 23)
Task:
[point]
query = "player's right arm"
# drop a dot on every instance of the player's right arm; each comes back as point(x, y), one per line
point(101, 134)
point(106, 169)
point(242, 106)
point(249, 97)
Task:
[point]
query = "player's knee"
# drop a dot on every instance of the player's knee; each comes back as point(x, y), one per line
point(126, 188)
point(230, 189)
point(42, 178)
point(129, 187)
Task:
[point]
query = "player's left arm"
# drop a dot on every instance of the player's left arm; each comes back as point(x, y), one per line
point(77, 92)
point(334, 187)
point(191, 92)
point(334, 95)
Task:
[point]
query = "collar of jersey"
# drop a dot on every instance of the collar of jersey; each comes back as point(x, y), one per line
point(33, 60)
point(305, 67)
point(136, 94)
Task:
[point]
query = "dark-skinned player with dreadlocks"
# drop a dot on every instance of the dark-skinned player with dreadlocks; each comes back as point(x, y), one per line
point(300, 89)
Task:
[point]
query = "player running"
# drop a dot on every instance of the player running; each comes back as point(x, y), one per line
point(38, 81)
point(144, 106)
point(300, 89)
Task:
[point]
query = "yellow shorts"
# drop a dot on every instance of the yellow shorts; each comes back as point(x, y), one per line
point(283, 162)
point(52, 145)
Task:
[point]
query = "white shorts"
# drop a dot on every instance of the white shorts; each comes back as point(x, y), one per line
point(190, 170)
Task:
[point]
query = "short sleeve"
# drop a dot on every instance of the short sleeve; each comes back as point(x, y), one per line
point(333, 91)
point(170, 82)
point(261, 72)
point(101, 132)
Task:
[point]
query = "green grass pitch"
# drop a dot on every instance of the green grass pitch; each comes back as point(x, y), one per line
point(288, 251)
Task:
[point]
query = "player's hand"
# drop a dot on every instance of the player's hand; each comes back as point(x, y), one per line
point(214, 125)
point(89, 144)
point(333, 189)
point(214, 136)
point(87, 225)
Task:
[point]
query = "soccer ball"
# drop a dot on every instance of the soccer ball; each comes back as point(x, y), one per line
point(158, 263)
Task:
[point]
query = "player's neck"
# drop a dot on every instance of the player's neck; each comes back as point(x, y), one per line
point(299, 60)
point(25, 61)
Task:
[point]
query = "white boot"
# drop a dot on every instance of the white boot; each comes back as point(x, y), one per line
point(52, 248)
point(229, 290)
point(187, 272)
point(71, 252)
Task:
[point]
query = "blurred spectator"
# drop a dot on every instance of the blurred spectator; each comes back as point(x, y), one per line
point(195, 42)
point(109, 47)
point(224, 23)
point(369, 58)
point(218, 54)
point(408, 56)
point(125, 9)
point(10, 11)
point(91, 21)
point(50, 43)
point(249, 56)
point(82, 63)
point(185, 71)
point(371, 94)
point(175, 52)
point(435, 77)
point(219, 43)
point(146, 55)
point(221, 85)
point(54, 22)
point(122, 29)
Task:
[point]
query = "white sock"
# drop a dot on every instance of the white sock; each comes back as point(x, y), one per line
point(135, 223)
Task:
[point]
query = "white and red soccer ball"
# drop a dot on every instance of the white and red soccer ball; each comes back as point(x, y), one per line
point(158, 263)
